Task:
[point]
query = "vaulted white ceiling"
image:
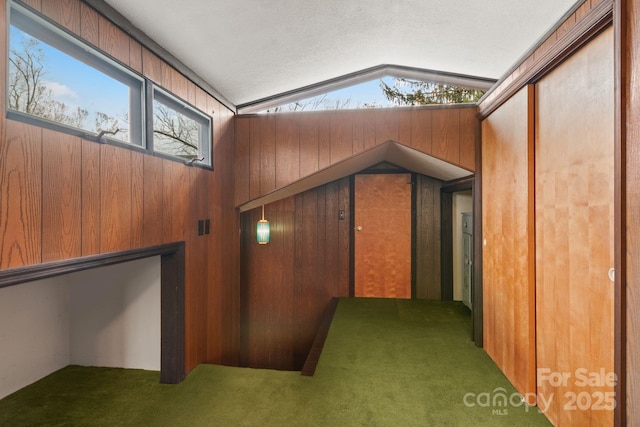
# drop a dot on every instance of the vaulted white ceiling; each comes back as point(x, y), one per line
point(253, 49)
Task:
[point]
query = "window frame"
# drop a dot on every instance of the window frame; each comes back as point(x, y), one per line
point(52, 34)
point(174, 102)
point(141, 97)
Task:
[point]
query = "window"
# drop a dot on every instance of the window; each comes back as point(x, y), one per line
point(180, 130)
point(59, 82)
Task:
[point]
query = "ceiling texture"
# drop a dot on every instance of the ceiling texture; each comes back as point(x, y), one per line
point(250, 50)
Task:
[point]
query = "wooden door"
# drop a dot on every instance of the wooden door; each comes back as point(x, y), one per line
point(574, 197)
point(383, 235)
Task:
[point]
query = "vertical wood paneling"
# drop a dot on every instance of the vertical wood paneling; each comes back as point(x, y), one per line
point(135, 55)
point(507, 229)
point(151, 66)
point(287, 284)
point(242, 160)
point(574, 208)
point(287, 150)
point(255, 151)
point(428, 241)
point(386, 125)
point(137, 199)
point(421, 133)
point(36, 4)
point(341, 137)
point(308, 144)
point(324, 142)
point(20, 195)
point(446, 135)
point(61, 189)
point(322, 139)
point(267, 155)
point(468, 128)
point(89, 24)
point(64, 12)
point(115, 193)
point(114, 41)
point(90, 198)
point(632, 86)
point(153, 225)
point(103, 198)
point(404, 127)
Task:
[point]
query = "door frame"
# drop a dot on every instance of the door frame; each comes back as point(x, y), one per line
point(446, 256)
point(352, 216)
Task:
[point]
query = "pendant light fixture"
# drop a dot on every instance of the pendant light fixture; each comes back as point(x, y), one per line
point(262, 230)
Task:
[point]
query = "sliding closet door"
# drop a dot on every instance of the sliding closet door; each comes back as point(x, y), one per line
point(574, 197)
point(507, 229)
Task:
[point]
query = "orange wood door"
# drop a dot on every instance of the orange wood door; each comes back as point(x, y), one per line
point(574, 196)
point(508, 257)
point(383, 235)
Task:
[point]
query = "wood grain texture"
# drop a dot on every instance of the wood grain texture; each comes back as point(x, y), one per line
point(242, 159)
point(91, 200)
point(115, 195)
point(468, 134)
point(137, 199)
point(61, 202)
point(298, 145)
point(89, 25)
point(113, 41)
point(382, 266)
point(64, 12)
point(632, 235)
point(287, 166)
point(428, 220)
point(575, 226)
point(507, 228)
point(20, 192)
point(445, 133)
point(287, 284)
point(123, 199)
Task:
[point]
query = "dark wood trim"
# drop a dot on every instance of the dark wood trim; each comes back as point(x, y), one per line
point(620, 208)
point(456, 185)
point(476, 293)
point(172, 357)
point(135, 33)
point(352, 236)
point(313, 357)
point(414, 228)
point(172, 255)
point(595, 21)
point(446, 246)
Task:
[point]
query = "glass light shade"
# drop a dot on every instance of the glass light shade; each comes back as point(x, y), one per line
point(262, 232)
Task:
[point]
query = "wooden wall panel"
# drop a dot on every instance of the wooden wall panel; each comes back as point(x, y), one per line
point(308, 145)
point(341, 137)
point(326, 138)
point(61, 201)
point(574, 208)
point(91, 199)
point(468, 135)
point(287, 284)
point(631, 84)
point(20, 192)
point(445, 133)
point(287, 150)
point(428, 240)
point(507, 228)
point(137, 199)
point(115, 194)
point(64, 12)
point(76, 197)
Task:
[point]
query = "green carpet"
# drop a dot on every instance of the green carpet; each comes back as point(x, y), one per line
point(385, 363)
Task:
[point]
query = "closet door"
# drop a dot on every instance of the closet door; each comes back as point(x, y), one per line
point(574, 199)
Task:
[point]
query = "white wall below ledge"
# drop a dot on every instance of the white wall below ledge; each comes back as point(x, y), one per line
point(108, 316)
